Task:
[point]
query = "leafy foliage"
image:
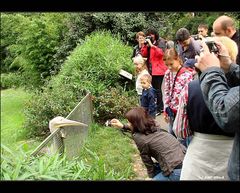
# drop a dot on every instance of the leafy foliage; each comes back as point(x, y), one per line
point(20, 166)
point(39, 43)
point(92, 67)
point(113, 104)
point(32, 42)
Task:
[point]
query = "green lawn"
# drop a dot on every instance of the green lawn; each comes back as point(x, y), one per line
point(12, 117)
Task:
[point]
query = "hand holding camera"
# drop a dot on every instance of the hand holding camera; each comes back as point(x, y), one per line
point(148, 40)
point(114, 123)
point(206, 59)
point(212, 46)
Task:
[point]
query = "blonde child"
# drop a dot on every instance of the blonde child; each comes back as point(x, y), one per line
point(148, 98)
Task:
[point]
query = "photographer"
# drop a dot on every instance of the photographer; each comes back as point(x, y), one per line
point(152, 141)
point(156, 66)
point(188, 47)
point(221, 99)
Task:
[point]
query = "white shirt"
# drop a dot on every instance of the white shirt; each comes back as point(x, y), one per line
point(138, 82)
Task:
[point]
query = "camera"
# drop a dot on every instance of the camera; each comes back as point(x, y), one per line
point(212, 46)
point(196, 37)
point(108, 123)
point(148, 37)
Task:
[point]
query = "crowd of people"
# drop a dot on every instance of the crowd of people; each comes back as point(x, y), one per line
point(193, 81)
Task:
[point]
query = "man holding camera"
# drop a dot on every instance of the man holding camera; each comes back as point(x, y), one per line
point(188, 47)
point(221, 99)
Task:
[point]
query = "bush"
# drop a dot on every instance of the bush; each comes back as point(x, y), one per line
point(113, 104)
point(10, 80)
point(92, 67)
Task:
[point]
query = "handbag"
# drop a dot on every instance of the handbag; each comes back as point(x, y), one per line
point(181, 124)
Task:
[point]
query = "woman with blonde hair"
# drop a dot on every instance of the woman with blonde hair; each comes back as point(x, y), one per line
point(230, 45)
point(140, 69)
point(208, 153)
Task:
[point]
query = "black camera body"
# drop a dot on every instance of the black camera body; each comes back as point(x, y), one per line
point(212, 46)
point(196, 37)
point(148, 37)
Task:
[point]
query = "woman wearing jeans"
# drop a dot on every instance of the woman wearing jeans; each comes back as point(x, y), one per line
point(154, 142)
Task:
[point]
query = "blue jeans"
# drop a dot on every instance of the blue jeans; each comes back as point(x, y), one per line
point(174, 176)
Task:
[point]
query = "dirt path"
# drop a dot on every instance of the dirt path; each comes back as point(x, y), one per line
point(138, 166)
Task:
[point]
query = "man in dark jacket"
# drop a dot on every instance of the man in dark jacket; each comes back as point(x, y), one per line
point(187, 46)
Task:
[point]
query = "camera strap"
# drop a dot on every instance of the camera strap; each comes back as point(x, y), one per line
point(175, 81)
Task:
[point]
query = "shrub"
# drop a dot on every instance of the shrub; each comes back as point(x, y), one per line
point(19, 79)
point(92, 67)
point(10, 80)
point(113, 104)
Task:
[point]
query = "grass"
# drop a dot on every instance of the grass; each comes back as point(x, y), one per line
point(111, 146)
point(12, 117)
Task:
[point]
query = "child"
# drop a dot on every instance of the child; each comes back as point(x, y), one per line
point(141, 69)
point(175, 78)
point(148, 98)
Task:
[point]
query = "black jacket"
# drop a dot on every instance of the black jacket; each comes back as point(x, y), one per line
point(199, 116)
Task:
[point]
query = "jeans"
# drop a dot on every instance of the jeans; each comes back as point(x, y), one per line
point(171, 120)
point(174, 176)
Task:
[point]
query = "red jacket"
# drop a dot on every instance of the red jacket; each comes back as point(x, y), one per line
point(156, 60)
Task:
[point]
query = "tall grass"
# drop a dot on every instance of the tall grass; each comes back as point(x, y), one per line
point(20, 166)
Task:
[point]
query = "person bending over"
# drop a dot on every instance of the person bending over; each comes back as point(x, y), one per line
point(154, 142)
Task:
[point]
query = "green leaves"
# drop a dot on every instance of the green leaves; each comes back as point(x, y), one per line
point(92, 66)
point(15, 166)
